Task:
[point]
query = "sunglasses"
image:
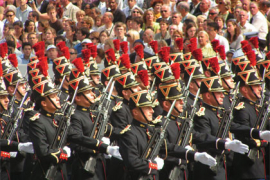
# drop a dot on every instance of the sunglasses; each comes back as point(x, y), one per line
point(93, 39)
point(136, 12)
point(9, 15)
point(72, 53)
point(128, 35)
point(221, 3)
point(163, 11)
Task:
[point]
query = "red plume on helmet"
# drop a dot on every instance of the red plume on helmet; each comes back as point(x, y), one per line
point(244, 42)
point(43, 66)
point(268, 55)
point(124, 47)
point(214, 64)
point(116, 44)
point(193, 44)
point(143, 75)
point(1, 70)
point(61, 45)
point(221, 51)
point(39, 46)
point(79, 64)
point(86, 53)
point(88, 45)
point(139, 50)
point(110, 55)
point(215, 44)
point(93, 50)
point(197, 54)
point(13, 60)
point(176, 70)
point(246, 48)
point(65, 52)
point(40, 53)
point(180, 43)
point(252, 58)
point(255, 42)
point(125, 60)
point(164, 54)
point(3, 49)
point(154, 46)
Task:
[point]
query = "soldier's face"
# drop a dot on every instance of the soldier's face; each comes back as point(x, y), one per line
point(51, 104)
point(219, 98)
point(22, 88)
point(257, 89)
point(4, 102)
point(229, 83)
point(179, 106)
point(90, 96)
point(148, 113)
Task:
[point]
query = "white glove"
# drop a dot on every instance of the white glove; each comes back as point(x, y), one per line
point(188, 147)
point(107, 156)
point(68, 151)
point(205, 158)
point(265, 135)
point(237, 146)
point(13, 154)
point(26, 147)
point(114, 151)
point(160, 163)
point(105, 140)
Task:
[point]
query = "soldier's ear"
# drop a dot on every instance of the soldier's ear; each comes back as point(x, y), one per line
point(43, 103)
point(77, 98)
point(11, 89)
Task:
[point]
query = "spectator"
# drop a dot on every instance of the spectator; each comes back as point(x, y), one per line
point(107, 20)
point(176, 34)
point(137, 24)
point(58, 39)
point(183, 9)
point(148, 36)
point(246, 7)
point(234, 35)
point(108, 44)
point(32, 38)
point(161, 44)
point(6, 29)
point(10, 17)
point(81, 34)
point(73, 54)
point(87, 10)
point(42, 15)
point(195, 7)
point(132, 36)
point(176, 20)
point(55, 23)
point(29, 26)
point(24, 37)
point(11, 38)
point(70, 35)
point(42, 5)
point(98, 23)
point(224, 6)
point(165, 14)
point(204, 8)
point(80, 16)
point(50, 34)
point(205, 45)
point(156, 5)
point(164, 34)
point(213, 12)
point(245, 26)
point(103, 35)
point(259, 21)
point(94, 37)
point(70, 10)
point(118, 15)
point(95, 11)
point(220, 21)
point(186, 23)
point(42, 26)
point(129, 23)
point(88, 23)
point(136, 12)
point(212, 30)
point(2, 13)
point(127, 9)
point(33, 15)
point(149, 21)
point(84, 42)
point(172, 28)
point(99, 58)
point(23, 11)
point(191, 31)
point(26, 49)
point(120, 31)
point(200, 22)
point(237, 11)
point(51, 52)
point(18, 26)
point(11, 49)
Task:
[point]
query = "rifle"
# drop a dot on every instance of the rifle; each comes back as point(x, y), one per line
point(186, 93)
point(156, 141)
point(62, 82)
point(99, 125)
point(14, 124)
point(11, 102)
point(261, 125)
point(225, 124)
point(61, 132)
point(185, 135)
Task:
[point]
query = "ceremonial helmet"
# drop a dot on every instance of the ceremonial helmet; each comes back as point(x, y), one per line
point(140, 99)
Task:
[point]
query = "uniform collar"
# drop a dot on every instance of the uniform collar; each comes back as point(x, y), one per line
point(84, 109)
point(47, 114)
point(226, 93)
point(172, 117)
point(64, 90)
point(17, 101)
point(191, 96)
point(210, 107)
point(249, 101)
point(140, 124)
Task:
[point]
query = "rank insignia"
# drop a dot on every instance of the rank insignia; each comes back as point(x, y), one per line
point(157, 120)
point(240, 106)
point(201, 112)
point(127, 128)
point(117, 106)
point(35, 117)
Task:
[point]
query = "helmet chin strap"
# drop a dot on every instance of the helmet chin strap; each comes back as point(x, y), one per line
point(53, 103)
point(226, 83)
point(196, 83)
point(254, 92)
point(143, 114)
point(87, 99)
point(216, 98)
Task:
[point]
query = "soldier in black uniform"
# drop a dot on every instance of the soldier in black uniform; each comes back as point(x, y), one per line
point(43, 128)
point(82, 124)
point(136, 136)
point(246, 113)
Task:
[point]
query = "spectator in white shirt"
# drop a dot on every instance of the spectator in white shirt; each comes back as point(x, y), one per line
point(212, 30)
point(107, 20)
point(234, 35)
point(204, 8)
point(127, 10)
point(120, 31)
point(245, 26)
point(260, 23)
point(23, 11)
point(69, 10)
point(176, 20)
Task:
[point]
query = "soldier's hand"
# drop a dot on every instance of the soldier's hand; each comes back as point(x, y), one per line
point(67, 150)
point(265, 135)
point(105, 140)
point(13, 154)
point(205, 158)
point(114, 151)
point(160, 163)
point(26, 147)
point(237, 146)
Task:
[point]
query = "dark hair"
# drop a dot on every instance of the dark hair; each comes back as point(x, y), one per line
point(187, 21)
point(213, 25)
point(164, 21)
point(138, 20)
point(59, 38)
point(50, 7)
point(84, 31)
point(189, 26)
point(237, 31)
point(219, 17)
point(128, 18)
point(35, 14)
point(27, 23)
point(18, 23)
point(11, 43)
point(100, 53)
point(26, 44)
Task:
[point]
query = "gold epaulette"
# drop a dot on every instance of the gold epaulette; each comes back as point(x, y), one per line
point(117, 106)
point(35, 117)
point(240, 106)
point(157, 120)
point(127, 128)
point(201, 112)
